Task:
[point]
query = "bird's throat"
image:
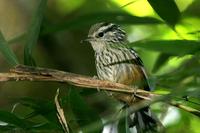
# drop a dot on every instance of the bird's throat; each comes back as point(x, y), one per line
point(98, 47)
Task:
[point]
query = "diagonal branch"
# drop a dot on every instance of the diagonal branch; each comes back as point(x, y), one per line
point(26, 73)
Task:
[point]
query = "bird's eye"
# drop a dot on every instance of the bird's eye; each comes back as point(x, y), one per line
point(100, 34)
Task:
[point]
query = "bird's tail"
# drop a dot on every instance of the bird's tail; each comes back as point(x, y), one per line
point(143, 121)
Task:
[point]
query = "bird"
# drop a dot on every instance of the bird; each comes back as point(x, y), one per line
point(116, 62)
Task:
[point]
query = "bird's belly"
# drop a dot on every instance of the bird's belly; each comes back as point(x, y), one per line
point(127, 74)
point(123, 73)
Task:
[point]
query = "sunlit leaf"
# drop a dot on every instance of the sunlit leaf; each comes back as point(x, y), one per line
point(183, 79)
point(7, 52)
point(33, 33)
point(161, 60)
point(167, 10)
point(173, 47)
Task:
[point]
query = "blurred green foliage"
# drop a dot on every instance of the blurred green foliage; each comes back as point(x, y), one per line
point(33, 33)
point(7, 52)
point(158, 30)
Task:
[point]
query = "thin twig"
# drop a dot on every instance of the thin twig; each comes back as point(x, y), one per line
point(186, 108)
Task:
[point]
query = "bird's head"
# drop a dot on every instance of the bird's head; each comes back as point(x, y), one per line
point(104, 34)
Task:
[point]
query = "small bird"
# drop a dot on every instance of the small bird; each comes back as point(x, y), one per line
point(117, 63)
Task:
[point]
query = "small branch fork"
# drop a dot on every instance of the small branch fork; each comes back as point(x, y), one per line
point(26, 73)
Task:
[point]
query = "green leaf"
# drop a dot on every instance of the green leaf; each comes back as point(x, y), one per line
point(7, 52)
point(39, 105)
point(12, 119)
point(33, 33)
point(162, 59)
point(84, 114)
point(173, 47)
point(88, 20)
point(19, 38)
point(182, 80)
point(43, 108)
point(44, 127)
point(14, 123)
point(167, 10)
point(123, 126)
point(4, 128)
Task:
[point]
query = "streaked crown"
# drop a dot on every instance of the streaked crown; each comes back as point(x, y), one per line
point(107, 33)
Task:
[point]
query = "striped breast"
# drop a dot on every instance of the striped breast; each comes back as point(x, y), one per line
point(120, 65)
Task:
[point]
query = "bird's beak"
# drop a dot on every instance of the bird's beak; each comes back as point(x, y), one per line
point(88, 39)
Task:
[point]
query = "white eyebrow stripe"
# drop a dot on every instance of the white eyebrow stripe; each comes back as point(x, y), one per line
point(103, 28)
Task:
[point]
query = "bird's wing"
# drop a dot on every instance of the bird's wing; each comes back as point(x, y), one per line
point(139, 63)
